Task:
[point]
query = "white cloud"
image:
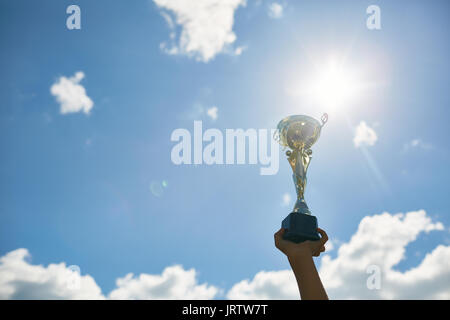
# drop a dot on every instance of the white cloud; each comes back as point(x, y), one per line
point(380, 240)
point(71, 95)
point(275, 10)
point(266, 285)
point(173, 283)
point(199, 110)
point(22, 280)
point(206, 26)
point(417, 143)
point(213, 112)
point(329, 245)
point(238, 51)
point(364, 135)
point(286, 200)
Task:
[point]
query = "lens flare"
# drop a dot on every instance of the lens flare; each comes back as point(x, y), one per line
point(156, 188)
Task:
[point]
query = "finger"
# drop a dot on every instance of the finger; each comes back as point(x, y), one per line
point(319, 250)
point(276, 233)
point(279, 234)
point(324, 236)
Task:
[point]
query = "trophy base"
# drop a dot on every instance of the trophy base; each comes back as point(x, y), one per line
point(300, 227)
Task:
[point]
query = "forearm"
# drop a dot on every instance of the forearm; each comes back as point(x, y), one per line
point(308, 280)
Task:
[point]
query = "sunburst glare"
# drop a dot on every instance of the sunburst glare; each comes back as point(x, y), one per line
point(330, 86)
point(333, 85)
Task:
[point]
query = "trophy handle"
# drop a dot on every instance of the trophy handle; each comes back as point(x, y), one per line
point(324, 119)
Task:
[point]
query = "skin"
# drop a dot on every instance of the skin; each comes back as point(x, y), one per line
point(300, 256)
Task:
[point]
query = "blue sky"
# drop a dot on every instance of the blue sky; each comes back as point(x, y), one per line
point(77, 187)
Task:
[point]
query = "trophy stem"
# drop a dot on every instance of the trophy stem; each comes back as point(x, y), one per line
point(301, 206)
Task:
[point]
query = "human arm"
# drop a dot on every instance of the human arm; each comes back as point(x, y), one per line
point(300, 256)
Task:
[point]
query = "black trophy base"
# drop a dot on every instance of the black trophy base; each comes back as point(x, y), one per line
point(300, 227)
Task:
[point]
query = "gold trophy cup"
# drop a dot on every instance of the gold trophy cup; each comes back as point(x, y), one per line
point(299, 133)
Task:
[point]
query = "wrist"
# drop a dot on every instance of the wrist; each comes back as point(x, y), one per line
point(299, 254)
point(299, 257)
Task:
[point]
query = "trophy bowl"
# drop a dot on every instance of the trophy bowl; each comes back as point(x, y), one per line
point(299, 133)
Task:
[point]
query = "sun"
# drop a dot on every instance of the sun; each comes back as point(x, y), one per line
point(329, 85)
point(333, 85)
